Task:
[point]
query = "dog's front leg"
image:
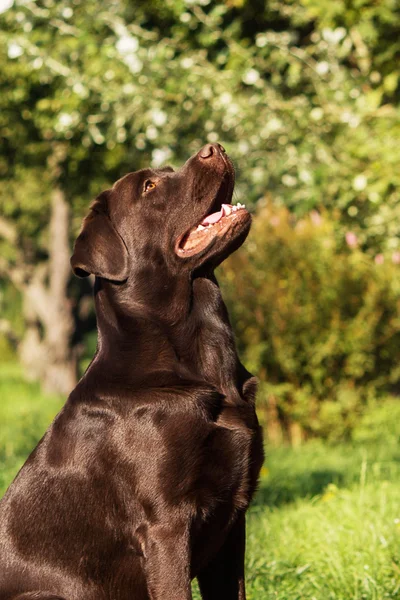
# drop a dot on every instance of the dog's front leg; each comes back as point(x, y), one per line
point(223, 577)
point(167, 561)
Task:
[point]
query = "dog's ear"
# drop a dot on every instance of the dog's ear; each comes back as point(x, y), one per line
point(99, 249)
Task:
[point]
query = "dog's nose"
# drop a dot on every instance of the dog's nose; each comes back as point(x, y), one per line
point(210, 150)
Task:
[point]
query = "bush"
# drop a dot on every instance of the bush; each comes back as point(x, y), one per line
point(379, 425)
point(316, 318)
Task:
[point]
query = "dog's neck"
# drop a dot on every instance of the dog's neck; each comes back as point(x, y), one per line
point(213, 349)
point(183, 330)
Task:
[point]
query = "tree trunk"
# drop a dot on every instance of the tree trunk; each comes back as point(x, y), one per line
point(46, 351)
point(61, 372)
point(273, 426)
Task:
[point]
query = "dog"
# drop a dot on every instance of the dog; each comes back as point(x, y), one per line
point(142, 481)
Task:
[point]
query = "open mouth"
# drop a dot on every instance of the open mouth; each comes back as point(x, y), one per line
point(213, 225)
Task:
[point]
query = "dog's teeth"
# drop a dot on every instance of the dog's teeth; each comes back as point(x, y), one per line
point(200, 227)
point(227, 209)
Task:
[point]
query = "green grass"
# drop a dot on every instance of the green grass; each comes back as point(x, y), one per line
point(25, 414)
point(325, 524)
point(341, 544)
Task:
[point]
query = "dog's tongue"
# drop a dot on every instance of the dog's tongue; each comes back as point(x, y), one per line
point(213, 218)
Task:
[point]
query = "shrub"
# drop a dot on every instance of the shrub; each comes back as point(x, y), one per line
point(379, 425)
point(316, 318)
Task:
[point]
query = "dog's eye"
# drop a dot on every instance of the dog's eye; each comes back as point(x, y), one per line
point(149, 185)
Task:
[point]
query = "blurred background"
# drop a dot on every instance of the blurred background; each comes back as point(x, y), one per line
point(304, 96)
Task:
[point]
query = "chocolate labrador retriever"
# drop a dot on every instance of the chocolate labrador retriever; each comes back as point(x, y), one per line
point(142, 481)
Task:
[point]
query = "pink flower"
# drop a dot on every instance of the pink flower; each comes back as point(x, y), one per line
point(351, 239)
point(274, 220)
point(396, 258)
point(379, 259)
point(316, 218)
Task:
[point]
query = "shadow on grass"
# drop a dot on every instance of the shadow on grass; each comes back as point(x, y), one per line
point(276, 491)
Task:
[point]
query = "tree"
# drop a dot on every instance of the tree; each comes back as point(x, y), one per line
point(94, 89)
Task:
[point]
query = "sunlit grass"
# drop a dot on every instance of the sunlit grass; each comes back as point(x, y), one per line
point(25, 413)
point(325, 524)
point(343, 544)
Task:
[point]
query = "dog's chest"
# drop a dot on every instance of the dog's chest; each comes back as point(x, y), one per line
point(233, 461)
point(225, 456)
point(243, 444)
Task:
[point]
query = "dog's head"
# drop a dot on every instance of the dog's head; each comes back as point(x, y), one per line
point(160, 218)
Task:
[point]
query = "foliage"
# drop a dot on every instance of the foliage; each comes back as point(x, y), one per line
point(317, 320)
point(302, 94)
point(379, 424)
